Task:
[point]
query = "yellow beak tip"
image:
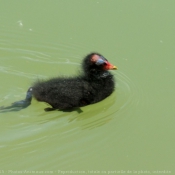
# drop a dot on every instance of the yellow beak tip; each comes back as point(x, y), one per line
point(115, 68)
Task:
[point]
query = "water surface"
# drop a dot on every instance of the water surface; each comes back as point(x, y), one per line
point(130, 131)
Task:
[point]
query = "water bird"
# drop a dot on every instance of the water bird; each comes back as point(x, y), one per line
point(93, 84)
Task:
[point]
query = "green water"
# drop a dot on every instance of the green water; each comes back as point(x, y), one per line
point(132, 131)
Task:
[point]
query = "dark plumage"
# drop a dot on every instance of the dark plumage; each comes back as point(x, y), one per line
point(93, 85)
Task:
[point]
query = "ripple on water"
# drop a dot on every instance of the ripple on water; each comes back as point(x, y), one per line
point(37, 132)
point(123, 97)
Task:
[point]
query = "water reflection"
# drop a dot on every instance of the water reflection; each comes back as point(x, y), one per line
point(18, 105)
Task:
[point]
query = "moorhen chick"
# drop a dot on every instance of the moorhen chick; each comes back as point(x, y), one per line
point(94, 84)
